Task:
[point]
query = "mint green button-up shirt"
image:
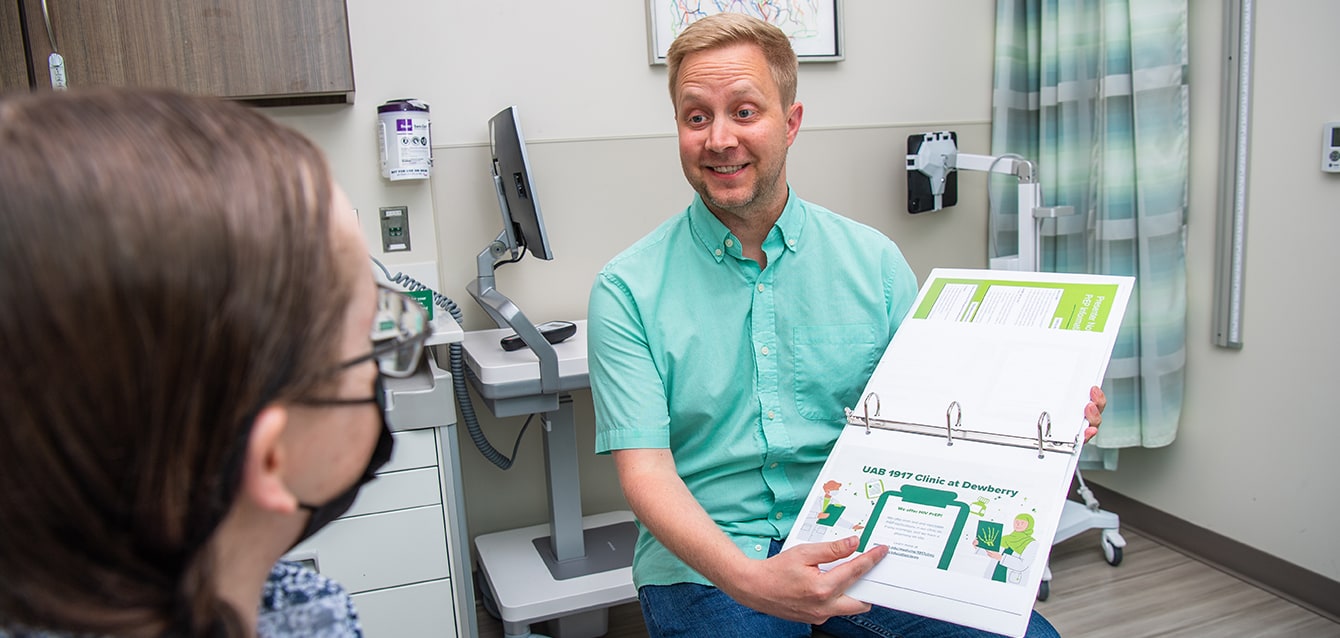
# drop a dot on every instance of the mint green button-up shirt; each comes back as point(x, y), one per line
point(742, 373)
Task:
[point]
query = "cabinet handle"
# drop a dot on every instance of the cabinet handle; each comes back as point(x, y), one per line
point(55, 61)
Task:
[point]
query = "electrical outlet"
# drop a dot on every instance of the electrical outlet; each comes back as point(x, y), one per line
point(395, 228)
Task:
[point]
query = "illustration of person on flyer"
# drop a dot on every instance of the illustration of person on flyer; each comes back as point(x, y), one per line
point(821, 522)
point(1016, 553)
point(823, 515)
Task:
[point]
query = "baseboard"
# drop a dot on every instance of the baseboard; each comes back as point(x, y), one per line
point(1280, 577)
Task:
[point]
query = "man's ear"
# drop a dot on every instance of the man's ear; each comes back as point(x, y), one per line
point(263, 470)
point(793, 117)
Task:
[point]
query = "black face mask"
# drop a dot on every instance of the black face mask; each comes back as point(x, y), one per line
point(323, 514)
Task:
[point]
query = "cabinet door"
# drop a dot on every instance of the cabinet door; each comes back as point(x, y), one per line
point(13, 64)
point(268, 51)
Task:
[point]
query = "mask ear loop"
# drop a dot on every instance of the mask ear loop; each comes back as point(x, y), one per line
point(322, 515)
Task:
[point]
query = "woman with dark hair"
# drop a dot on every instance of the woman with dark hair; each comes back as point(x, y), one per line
point(188, 384)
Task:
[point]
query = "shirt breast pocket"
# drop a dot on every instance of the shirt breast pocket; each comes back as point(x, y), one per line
point(832, 366)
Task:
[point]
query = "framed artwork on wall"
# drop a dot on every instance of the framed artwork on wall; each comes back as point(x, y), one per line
point(814, 26)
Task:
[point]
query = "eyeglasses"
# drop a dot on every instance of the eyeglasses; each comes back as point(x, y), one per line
point(399, 330)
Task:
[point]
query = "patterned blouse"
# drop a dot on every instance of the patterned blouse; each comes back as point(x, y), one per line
point(296, 601)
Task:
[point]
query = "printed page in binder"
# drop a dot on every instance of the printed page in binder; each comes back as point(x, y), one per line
point(960, 453)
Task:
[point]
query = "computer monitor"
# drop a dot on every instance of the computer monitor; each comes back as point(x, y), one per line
point(523, 226)
point(523, 230)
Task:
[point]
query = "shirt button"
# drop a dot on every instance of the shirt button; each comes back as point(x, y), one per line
point(730, 242)
point(760, 287)
point(791, 242)
point(773, 466)
point(758, 548)
point(765, 351)
point(778, 516)
point(717, 252)
point(772, 415)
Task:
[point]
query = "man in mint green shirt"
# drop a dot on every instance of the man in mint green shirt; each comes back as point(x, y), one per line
point(723, 348)
point(742, 372)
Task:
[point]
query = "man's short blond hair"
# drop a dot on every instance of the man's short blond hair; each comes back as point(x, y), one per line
point(725, 29)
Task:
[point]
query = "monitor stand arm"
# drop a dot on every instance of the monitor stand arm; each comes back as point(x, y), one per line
point(507, 315)
point(937, 156)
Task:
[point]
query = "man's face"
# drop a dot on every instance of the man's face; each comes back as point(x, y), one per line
point(734, 131)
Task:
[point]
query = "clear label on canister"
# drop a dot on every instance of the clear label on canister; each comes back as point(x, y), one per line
point(406, 145)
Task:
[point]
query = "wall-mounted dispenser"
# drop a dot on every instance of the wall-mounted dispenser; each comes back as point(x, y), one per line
point(406, 144)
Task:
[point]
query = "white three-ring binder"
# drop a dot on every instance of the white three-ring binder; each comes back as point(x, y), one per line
point(959, 452)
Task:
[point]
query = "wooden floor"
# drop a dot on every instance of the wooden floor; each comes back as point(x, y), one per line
point(1156, 591)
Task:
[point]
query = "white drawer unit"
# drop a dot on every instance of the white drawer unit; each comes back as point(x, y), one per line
point(384, 610)
point(376, 551)
point(398, 491)
point(400, 549)
point(413, 449)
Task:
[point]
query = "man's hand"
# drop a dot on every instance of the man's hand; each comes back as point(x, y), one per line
point(1093, 412)
point(791, 586)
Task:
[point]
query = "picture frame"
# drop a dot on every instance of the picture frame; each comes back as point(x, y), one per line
point(814, 26)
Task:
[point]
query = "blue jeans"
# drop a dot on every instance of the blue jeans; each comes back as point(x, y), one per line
point(690, 610)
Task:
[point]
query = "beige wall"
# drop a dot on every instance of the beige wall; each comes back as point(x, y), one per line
point(1255, 444)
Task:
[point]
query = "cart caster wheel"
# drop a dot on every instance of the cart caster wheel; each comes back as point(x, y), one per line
point(1044, 590)
point(1111, 552)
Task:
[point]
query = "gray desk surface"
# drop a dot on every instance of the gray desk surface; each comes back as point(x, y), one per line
point(498, 374)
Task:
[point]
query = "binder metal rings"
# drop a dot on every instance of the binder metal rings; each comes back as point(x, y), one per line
point(953, 429)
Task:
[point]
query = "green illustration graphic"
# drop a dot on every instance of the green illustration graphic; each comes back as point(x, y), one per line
point(1013, 553)
point(873, 488)
point(825, 514)
point(927, 497)
point(831, 513)
point(988, 535)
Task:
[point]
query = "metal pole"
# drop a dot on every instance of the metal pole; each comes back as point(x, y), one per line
point(1231, 250)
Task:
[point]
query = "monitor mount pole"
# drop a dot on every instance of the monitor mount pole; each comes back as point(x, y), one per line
point(504, 313)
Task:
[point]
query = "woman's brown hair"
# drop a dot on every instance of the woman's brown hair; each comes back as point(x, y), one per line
point(166, 270)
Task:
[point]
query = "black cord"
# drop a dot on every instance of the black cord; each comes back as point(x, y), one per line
point(517, 444)
point(520, 255)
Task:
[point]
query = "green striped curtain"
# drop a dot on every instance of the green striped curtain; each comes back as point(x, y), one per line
point(1096, 94)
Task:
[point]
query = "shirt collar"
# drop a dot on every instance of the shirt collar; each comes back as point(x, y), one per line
point(719, 241)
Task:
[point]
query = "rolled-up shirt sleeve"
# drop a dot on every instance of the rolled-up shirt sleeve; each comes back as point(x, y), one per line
point(626, 387)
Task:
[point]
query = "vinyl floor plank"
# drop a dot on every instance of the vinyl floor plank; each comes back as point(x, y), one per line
point(1155, 591)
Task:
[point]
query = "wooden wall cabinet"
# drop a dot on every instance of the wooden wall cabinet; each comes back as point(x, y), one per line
point(268, 52)
point(13, 64)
